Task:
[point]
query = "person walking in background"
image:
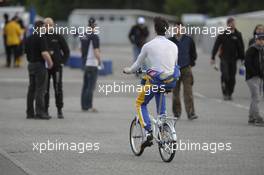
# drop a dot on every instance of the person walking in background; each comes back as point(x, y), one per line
point(7, 49)
point(231, 47)
point(254, 76)
point(37, 54)
point(90, 47)
point(59, 52)
point(13, 33)
point(21, 47)
point(258, 29)
point(138, 36)
point(186, 60)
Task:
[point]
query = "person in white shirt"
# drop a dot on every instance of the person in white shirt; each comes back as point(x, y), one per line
point(159, 55)
point(90, 46)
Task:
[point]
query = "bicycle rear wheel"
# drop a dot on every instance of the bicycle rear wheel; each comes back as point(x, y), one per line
point(136, 137)
point(167, 148)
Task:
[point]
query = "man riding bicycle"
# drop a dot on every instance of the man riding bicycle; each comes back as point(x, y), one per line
point(160, 56)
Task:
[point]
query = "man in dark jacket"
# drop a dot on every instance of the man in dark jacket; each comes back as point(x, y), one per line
point(37, 55)
point(138, 36)
point(231, 47)
point(7, 49)
point(186, 60)
point(59, 52)
point(254, 76)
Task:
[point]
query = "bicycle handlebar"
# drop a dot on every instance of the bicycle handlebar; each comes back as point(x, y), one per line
point(140, 71)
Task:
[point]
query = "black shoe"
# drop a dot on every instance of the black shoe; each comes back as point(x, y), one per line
point(251, 121)
point(225, 97)
point(259, 122)
point(230, 98)
point(192, 116)
point(148, 142)
point(43, 117)
point(47, 112)
point(30, 116)
point(177, 116)
point(60, 114)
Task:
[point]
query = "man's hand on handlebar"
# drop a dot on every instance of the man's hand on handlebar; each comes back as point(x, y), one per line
point(127, 70)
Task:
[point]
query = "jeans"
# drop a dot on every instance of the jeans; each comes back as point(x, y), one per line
point(254, 85)
point(89, 82)
point(228, 76)
point(56, 76)
point(36, 89)
point(186, 79)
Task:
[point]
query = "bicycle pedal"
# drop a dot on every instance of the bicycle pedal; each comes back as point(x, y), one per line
point(146, 144)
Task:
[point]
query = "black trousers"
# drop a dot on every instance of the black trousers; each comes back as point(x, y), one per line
point(56, 76)
point(36, 89)
point(228, 76)
point(11, 51)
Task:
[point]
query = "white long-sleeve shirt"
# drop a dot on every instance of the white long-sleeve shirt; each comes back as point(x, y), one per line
point(159, 54)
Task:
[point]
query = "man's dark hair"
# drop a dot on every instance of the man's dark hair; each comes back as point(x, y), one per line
point(15, 18)
point(229, 20)
point(91, 22)
point(179, 23)
point(38, 24)
point(6, 16)
point(161, 25)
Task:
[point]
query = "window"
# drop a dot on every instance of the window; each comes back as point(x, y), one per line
point(122, 18)
point(112, 18)
point(101, 18)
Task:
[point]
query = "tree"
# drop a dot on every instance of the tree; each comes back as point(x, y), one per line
point(178, 7)
point(60, 9)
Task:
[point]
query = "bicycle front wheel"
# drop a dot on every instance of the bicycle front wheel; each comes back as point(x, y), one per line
point(167, 147)
point(136, 137)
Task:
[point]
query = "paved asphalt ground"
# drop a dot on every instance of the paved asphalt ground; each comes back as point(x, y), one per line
point(219, 122)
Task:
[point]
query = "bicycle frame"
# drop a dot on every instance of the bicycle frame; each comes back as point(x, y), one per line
point(159, 121)
point(163, 132)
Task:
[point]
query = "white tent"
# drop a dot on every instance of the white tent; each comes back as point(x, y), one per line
point(114, 24)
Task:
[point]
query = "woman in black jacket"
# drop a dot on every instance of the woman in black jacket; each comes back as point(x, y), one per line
point(258, 29)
